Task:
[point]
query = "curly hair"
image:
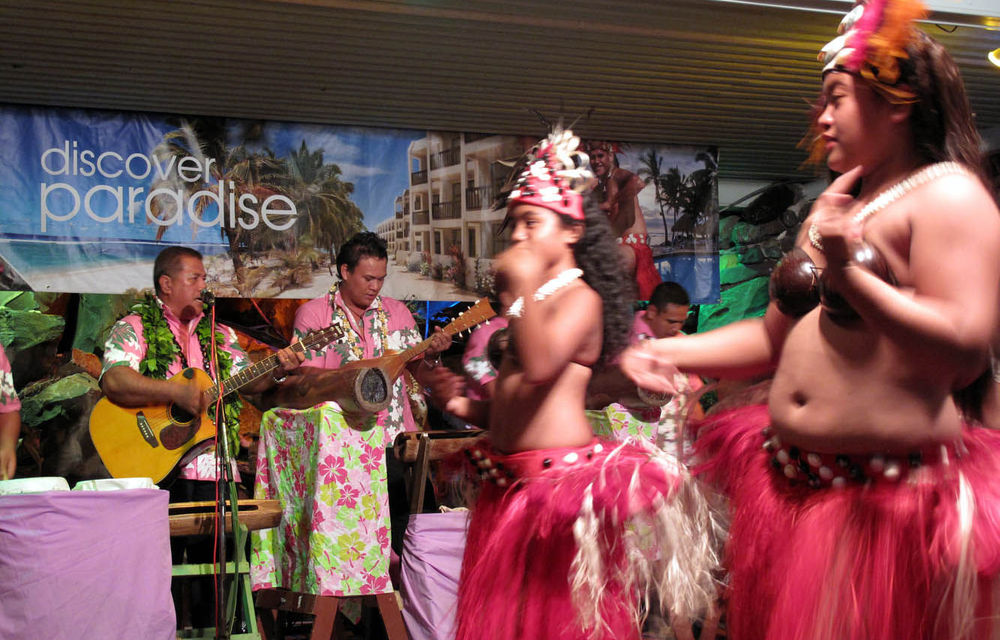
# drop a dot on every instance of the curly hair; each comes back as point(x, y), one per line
point(597, 255)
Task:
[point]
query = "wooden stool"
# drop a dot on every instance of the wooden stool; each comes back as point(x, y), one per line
point(417, 449)
point(325, 609)
point(196, 518)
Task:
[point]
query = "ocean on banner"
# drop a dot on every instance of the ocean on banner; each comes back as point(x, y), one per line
point(43, 261)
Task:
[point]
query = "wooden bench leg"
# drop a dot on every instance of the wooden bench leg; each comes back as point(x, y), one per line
point(326, 608)
point(267, 623)
point(388, 607)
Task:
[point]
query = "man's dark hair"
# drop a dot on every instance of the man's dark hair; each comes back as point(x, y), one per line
point(168, 262)
point(363, 245)
point(669, 293)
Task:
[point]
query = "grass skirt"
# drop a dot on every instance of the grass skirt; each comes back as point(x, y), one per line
point(569, 543)
point(916, 558)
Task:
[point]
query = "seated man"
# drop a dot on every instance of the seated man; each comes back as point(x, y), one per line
point(630, 412)
point(666, 314)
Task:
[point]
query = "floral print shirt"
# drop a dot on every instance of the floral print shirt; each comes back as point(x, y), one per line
point(9, 402)
point(479, 371)
point(386, 325)
point(126, 347)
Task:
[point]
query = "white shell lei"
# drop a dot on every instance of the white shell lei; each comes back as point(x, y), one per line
point(929, 173)
point(555, 284)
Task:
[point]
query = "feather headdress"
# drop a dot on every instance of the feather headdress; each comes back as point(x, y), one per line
point(555, 175)
point(872, 42)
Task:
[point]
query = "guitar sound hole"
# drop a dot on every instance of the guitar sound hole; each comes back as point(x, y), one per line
point(180, 415)
point(373, 387)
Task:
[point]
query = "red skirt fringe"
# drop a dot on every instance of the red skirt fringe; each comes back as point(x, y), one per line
point(553, 554)
point(913, 559)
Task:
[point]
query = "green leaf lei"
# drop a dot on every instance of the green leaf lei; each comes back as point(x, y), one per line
point(162, 349)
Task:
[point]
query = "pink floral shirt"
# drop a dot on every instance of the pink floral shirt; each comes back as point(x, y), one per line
point(386, 325)
point(126, 346)
point(479, 371)
point(9, 402)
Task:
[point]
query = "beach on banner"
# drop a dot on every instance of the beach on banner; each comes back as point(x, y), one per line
point(107, 278)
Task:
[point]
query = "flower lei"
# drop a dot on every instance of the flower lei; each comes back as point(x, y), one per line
point(379, 329)
point(162, 350)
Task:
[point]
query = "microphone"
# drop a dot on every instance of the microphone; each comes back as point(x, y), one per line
point(207, 297)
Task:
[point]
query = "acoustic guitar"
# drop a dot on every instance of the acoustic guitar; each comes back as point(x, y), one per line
point(149, 441)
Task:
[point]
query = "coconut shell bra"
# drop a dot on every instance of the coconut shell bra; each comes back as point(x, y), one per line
point(797, 285)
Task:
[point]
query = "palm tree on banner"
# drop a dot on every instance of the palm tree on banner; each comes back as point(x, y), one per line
point(259, 174)
point(323, 200)
point(704, 196)
point(650, 171)
point(674, 189)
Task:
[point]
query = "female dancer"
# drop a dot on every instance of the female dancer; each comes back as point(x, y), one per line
point(863, 506)
point(569, 531)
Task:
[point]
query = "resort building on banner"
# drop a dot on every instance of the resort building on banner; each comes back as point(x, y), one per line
point(446, 215)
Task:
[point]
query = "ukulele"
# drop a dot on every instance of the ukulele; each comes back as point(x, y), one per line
point(363, 387)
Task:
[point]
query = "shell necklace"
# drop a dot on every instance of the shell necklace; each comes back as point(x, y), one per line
point(564, 279)
point(929, 173)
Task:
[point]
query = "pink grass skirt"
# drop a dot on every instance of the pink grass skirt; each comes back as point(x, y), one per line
point(569, 543)
point(915, 558)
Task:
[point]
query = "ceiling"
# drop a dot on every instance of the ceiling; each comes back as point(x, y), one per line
point(734, 75)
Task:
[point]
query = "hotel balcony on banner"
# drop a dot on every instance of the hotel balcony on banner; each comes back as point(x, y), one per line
point(446, 211)
point(418, 177)
point(446, 158)
point(479, 197)
point(421, 217)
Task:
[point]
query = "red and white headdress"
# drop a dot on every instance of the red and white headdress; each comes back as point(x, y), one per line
point(872, 42)
point(557, 176)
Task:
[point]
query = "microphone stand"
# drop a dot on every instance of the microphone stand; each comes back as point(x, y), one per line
point(225, 487)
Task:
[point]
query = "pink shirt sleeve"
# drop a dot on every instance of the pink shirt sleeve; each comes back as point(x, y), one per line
point(9, 402)
point(640, 328)
point(475, 361)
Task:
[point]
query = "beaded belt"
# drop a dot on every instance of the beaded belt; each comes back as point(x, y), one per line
point(503, 469)
point(634, 238)
point(837, 470)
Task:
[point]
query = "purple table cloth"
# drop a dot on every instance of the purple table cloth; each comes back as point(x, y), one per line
point(85, 565)
point(432, 564)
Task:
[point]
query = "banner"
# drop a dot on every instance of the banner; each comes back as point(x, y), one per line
point(89, 198)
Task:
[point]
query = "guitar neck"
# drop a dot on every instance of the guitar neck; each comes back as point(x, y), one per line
point(251, 374)
point(417, 349)
point(471, 317)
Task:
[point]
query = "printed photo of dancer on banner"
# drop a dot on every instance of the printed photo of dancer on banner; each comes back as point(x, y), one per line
point(89, 198)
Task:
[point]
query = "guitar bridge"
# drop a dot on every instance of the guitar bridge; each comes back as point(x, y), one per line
point(146, 430)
